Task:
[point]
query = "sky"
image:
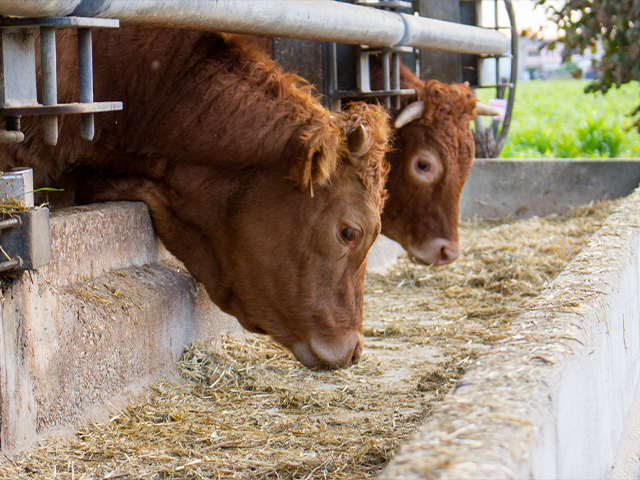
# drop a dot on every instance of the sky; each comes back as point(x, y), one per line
point(528, 16)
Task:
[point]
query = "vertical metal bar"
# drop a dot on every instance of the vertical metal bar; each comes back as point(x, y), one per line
point(395, 77)
point(12, 123)
point(49, 82)
point(85, 66)
point(386, 78)
point(336, 103)
point(494, 122)
point(364, 72)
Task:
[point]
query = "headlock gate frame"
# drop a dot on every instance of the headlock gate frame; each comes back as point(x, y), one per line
point(380, 29)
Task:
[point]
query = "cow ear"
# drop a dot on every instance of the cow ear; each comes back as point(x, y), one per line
point(357, 139)
point(320, 156)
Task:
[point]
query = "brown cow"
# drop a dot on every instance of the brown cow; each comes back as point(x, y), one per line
point(432, 156)
point(269, 200)
point(430, 162)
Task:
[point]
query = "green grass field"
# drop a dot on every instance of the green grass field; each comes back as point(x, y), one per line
point(556, 119)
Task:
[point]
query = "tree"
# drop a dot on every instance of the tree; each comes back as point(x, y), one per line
point(615, 23)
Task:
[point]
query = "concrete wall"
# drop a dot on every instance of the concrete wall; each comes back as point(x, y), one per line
point(555, 399)
point(109, 314)
point(499, 188)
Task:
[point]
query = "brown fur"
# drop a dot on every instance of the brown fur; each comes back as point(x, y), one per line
point(225, 148)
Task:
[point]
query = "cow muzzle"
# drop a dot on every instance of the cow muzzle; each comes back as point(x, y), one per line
point(439, 251)
point(339, 352)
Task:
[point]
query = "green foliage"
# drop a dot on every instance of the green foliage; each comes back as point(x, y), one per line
point(614, 23)
point(556, 119)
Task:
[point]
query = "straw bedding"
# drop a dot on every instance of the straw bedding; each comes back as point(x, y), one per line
point(247, 410)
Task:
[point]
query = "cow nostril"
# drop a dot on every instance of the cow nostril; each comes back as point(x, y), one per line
point(447, 255)
point(357, 352)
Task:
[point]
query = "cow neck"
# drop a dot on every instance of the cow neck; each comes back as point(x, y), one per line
point(246, 113)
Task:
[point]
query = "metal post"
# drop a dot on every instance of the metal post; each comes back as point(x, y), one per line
point(364, 76)
point(386, 78)
point(85, 66)
point(336, 103)
point(49, 82)
point(395, 77)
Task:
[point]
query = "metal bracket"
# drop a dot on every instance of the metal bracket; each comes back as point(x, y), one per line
point(390, 67)
point(25, 241)
point(18, 90)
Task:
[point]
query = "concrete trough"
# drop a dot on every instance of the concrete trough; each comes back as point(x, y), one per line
point(559, 397)
point(556, 399)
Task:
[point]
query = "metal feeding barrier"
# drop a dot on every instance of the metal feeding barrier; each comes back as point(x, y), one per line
point(18, 89)
point(391, 60)
point(24, 237)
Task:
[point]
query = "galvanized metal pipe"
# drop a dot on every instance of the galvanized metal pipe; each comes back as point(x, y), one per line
point(85, 68)
point(386, 78)
point(48, 64)
point(324, 20)
point(12, 264)
point(395, 76)
point(10, 223)
point(11, 136)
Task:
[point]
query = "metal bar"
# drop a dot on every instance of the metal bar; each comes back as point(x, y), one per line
point(335, 102)
point(364, 78)
point(502, 137)
point(60, 22)
point(10, 223)
point(11, 136)
point(386, 79)
point(374, 93)
point(49, 82)
point(11, 264)
point(85, 67)
point(323, 20)
point(395, 77)
point(61, 109)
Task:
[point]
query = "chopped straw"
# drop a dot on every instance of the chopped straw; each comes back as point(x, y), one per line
point(248, 410)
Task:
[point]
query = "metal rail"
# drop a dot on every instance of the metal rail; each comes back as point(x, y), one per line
point(323, 20)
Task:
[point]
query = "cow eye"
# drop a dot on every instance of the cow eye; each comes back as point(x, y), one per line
point(350, 236)
point(424, 166)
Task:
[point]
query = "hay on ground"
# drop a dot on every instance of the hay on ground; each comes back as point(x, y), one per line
point(249, 410)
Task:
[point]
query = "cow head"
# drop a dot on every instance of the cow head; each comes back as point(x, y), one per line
point(283, 249)
point(298, 257)
point(430, 163)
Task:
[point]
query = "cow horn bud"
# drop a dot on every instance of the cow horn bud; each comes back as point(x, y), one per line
point(411, 112)
point(482, 109)
point(356, 139)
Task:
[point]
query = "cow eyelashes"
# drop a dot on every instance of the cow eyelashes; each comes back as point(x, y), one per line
point(349, 235)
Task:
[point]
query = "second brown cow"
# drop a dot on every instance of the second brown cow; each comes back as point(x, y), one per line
point(430, 162)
